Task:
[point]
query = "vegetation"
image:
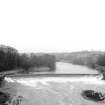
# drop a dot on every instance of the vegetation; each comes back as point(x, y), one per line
point(29, 61)
point(100, 64)
point(8, 58)
point(91, 59)
point(101, 60)
point(11, 59)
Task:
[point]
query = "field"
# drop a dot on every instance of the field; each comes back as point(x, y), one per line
point(51, 89)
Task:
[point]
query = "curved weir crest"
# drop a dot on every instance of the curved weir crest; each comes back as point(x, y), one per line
point(33, 81)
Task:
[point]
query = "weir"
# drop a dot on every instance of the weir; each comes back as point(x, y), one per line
point(52, 89)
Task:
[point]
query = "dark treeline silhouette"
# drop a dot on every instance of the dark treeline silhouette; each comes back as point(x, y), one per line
point(101, 60)
point(11, 59)
point(100, 64)
point(8, 58)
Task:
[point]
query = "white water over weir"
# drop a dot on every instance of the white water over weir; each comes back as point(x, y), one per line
point(53, 89)
point(45, 80)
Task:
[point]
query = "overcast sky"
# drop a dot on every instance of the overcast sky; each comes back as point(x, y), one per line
point(53, 25)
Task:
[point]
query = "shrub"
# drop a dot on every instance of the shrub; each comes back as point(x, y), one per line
point(30, 61)
point(101, 60)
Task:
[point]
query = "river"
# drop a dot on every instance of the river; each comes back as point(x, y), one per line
point(66, 68)
point(53, 90)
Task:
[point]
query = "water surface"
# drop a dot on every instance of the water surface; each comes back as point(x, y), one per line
point(62, 67)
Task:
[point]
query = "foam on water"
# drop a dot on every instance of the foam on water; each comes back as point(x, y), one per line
point(34, 81)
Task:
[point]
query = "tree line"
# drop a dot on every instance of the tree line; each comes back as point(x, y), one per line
point(11, 59)
point(91, 59)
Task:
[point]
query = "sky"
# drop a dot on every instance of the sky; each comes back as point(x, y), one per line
point(53, 25)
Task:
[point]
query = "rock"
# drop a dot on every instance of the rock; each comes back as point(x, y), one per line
point(93, 95)
point(2, 77)
point(4, 97)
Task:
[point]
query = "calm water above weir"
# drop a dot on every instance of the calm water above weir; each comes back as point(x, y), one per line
point(62, 67)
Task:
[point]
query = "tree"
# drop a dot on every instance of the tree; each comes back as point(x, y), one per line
point(8, 58)
point(101, 60)
point(24, 62)
point(101, 65)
